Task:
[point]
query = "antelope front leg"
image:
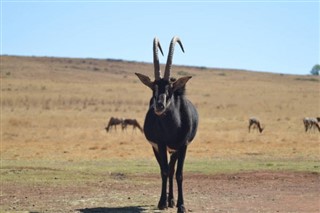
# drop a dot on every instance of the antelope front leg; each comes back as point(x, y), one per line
point(179, 178)
point(173, 160)
point(161, 156)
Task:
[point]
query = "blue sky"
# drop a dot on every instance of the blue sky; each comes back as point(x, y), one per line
point(271, 36)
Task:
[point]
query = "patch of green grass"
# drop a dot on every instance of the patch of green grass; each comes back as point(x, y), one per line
point(61, 172)
point(307, 79)
point(64, 173)
point(234, 166)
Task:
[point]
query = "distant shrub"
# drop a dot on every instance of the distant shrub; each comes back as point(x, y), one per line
point(114, 60)
point(203, 68)
point(315, 70)
point(183, 73)
point(307, 79)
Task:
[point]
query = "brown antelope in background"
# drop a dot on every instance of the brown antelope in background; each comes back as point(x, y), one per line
point(255, 123)
point(133, 122)
point(311, 123)
point(113, 122)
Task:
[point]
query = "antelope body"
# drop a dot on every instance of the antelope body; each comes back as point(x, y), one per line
point(113, 122)
point(311, 123)
point(255, 123)
point(131, 122)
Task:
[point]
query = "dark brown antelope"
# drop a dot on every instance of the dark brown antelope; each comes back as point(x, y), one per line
point(170, 124)
point(255, 123)
point(131, 122)
point(113, 122)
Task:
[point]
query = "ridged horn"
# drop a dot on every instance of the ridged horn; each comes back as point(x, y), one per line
point(170, 56)
point(156, 45)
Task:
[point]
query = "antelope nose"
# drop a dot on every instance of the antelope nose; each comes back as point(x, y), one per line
point(160, 106)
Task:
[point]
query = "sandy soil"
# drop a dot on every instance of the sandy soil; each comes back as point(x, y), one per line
point(118, 192)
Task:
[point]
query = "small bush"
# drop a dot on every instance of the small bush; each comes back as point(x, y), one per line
point(183, 73)
point(307, 79)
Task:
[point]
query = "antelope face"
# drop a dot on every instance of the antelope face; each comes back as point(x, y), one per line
point(162, 93)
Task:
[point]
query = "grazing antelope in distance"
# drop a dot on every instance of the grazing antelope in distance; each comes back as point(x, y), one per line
point(170, 124)
point(311, 123)
point(113, 122)
point(255, 123)
point(306, 123)
point(314, 124)
point(133, 122)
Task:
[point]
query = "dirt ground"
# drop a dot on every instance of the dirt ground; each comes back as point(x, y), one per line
point(118, 192)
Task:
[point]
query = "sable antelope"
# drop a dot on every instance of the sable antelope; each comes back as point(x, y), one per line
point(311, 123)
point(133, 122)
point(255, 123)
point(113, 122)
point(170, 124)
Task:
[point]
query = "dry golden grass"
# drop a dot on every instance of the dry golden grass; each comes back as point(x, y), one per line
point(55, 108)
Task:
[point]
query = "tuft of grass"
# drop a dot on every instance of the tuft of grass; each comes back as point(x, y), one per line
point(222, 74)
point(183, 73)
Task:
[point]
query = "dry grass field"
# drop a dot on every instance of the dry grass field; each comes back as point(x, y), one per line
point(54, 111)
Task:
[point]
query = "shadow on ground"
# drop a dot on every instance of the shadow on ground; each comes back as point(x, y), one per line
point(127, 209)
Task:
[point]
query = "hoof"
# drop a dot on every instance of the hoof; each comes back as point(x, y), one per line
point(162, 205)
point(171, 203)
point(181, 209)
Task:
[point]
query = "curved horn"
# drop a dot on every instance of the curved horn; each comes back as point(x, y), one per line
point(170, 56)
point(156, 45)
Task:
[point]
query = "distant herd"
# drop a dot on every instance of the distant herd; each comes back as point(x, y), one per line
point(124, 123)
point(310, 124)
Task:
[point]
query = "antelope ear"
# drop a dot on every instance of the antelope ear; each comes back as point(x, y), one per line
point(145, 80)
point(181, 82)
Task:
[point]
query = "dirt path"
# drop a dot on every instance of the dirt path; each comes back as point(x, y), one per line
point(243, 192)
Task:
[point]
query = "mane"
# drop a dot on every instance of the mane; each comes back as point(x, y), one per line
point(180, 92)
